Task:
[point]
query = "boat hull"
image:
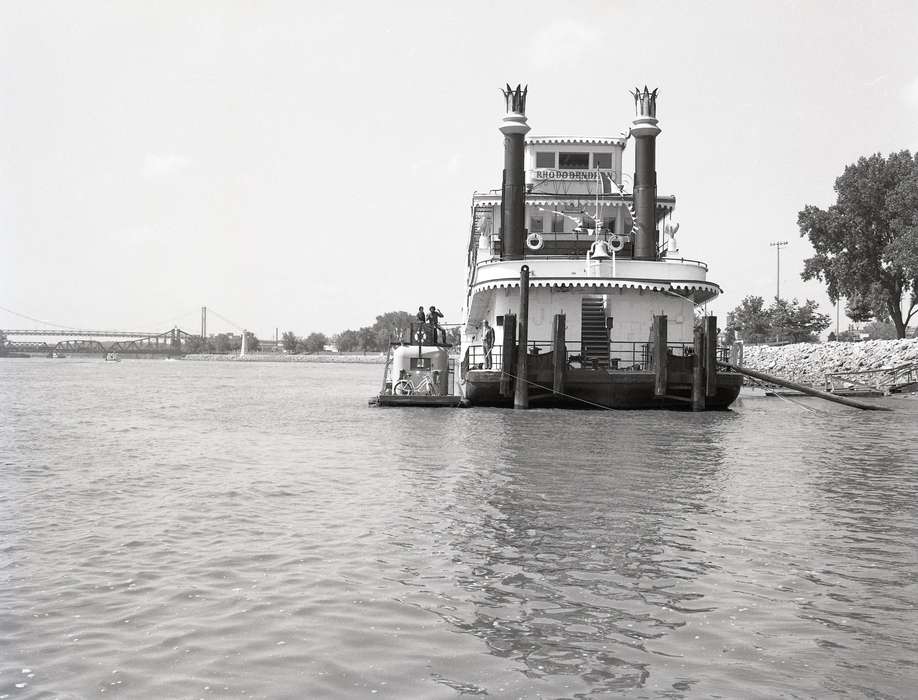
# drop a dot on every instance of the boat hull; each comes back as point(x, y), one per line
point(598, 389)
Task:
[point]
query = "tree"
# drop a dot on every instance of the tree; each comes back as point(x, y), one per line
point(879, 330)
point(289, 340)
point(782, 320)
point(252, 343)
point(314, 342)
point(750, 320)
point(800, 323)
point(859, 309)
point(194, 344)
point(392, 325)
point(866, 243)
point(221, 343)
point(367, 339)
point(347, 341)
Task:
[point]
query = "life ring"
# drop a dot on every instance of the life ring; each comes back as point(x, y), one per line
point(616, 243)
point(534, 241)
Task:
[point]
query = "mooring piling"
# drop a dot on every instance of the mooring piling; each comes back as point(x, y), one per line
point(698, 383)
point(660, 356)
point(521, 397)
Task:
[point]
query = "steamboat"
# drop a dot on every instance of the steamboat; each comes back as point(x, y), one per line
point(577, 294)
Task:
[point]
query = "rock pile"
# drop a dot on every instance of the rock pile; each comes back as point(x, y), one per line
point(810, 362)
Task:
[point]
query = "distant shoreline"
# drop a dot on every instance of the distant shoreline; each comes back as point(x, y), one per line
point(375, 358)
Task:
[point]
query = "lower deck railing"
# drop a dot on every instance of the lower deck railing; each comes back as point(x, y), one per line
point(621, 355)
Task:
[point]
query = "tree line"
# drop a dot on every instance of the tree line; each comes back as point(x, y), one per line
point(782, 321)
point(390, 326)
point(222, 343)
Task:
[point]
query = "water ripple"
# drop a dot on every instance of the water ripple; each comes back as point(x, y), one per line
point(222, 530)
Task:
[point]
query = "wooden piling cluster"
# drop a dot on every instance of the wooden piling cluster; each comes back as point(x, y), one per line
point(704, 360)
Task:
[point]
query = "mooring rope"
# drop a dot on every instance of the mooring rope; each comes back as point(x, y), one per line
point(560, 393)
point(761, 384)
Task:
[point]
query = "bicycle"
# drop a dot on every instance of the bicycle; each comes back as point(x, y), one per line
point(405, 387)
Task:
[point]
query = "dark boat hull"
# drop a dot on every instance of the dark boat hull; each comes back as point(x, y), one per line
point(598, 389)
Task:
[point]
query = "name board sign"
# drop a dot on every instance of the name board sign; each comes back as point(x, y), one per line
point(571, 175)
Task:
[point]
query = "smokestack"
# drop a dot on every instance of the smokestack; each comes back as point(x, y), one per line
point(645, 130)
point(513, 195)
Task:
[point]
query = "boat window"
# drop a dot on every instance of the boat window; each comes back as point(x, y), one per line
point(545, 159)
point(603, 161)
point(573, 161)
point(535, 224)
point(557, 223)
point(420, 363)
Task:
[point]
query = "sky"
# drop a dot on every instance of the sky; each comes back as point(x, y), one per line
point(308, 166)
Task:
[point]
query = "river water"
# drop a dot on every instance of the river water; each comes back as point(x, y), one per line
point(182, 529)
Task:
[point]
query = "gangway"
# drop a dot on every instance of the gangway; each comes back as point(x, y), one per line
point(802, 388)
point(889, 380)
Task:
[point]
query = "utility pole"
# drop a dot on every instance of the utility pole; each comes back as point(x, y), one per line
point(778, 245)
point(837, 314)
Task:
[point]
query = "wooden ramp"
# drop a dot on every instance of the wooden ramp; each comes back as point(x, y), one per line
point(417, 401)
point(890, 380)
point(802, 388)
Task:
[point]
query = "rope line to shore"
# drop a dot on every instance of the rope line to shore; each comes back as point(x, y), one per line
point(561, 393)
point(764, 387)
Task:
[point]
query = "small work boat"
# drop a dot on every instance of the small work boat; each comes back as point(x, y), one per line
point(419, 371)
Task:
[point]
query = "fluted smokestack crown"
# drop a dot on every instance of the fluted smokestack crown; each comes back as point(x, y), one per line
point(645, 103)
point(514, 122)
point(513, 194)
point(644, 129)
point(516, 98)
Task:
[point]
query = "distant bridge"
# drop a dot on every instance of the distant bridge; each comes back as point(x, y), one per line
point(55, 333)
point(167, 343)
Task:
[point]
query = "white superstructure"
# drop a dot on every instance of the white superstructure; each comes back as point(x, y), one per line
point(575, 196)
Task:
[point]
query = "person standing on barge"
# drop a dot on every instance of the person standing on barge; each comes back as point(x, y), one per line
point(433, 320)
point(487, 343)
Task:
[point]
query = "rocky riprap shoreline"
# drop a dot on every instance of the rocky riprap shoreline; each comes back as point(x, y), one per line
point(810, 362)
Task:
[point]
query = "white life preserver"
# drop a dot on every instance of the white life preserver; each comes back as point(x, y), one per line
point(616, 243)
point(534, 241)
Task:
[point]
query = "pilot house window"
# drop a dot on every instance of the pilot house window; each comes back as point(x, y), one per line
point(603, 161)
point(574, 161)
point(535, 224)
point(545, 159)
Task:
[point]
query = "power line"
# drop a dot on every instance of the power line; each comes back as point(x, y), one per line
point(210, 310)
point(175, 317)
point(37, 320)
